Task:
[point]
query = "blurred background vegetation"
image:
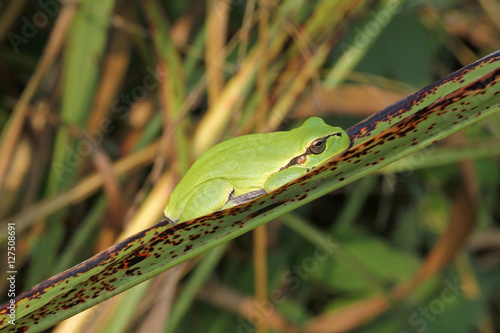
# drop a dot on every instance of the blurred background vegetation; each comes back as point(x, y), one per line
point(105, 104)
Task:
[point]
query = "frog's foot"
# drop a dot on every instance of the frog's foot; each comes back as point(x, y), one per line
point(172, 222)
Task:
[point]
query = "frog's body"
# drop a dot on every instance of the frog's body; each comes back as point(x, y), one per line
point(240, 169)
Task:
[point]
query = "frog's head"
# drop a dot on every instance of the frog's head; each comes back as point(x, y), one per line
point(321, 142)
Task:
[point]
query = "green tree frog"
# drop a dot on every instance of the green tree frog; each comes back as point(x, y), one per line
point(243, 168)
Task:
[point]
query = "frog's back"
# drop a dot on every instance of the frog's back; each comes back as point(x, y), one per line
point(245, 160)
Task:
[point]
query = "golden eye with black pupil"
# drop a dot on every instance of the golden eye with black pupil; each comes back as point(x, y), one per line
point(318, 146)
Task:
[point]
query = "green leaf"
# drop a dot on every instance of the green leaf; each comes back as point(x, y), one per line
point(375, 255)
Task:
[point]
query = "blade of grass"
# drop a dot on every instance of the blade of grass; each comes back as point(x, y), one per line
point(245, 307)
point(172, 83)
point(361, 42)
point(214, 122)
point(351, 209)
point(80, 241)
point(216, 34)
point(198, 278)
point(85, 44)
point(86, 187)
point(125, 310)
point(10, 16)
point(10, 136)
point(446, 155)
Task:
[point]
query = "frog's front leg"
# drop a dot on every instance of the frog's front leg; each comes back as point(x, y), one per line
point(277, 180)
point(282, 177)
point(241, 199)
point(208, 197)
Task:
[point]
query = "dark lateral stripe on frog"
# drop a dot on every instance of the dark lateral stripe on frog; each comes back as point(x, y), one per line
point(297, 160)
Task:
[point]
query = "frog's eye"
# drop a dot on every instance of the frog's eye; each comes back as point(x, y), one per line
point(318, 146)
